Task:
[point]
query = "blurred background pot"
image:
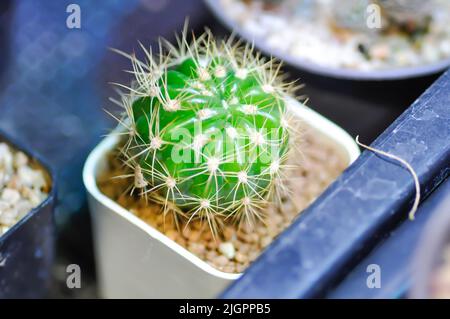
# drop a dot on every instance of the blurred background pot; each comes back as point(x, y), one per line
point(348, 14)
point(374, 97)
point(27, 248)
point(135, 260)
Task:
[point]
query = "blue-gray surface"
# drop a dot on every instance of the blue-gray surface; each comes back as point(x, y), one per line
point(366, 201)
point(395, 255)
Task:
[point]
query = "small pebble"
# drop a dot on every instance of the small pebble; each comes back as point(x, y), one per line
point(194, 236)
point(8, 217)
point(240, 257)
point(229, 233)
point(253, 255)
point(10, 196)
point(213, 244)
point(227, 249)
point(30, 177)
point(229, 268)
point(244, 248)
point(261, 230)
point(172, 234)
point(196, 224)
point(3, 229)
point(211, 255)
point(197, 248)
point(241, 268)
point(20, 160)
point(221, 260)
point(206, 235)
point(3, 206)
point(265, 241)
point(181, 241)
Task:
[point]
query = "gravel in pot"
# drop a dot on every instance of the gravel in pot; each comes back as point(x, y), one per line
point(24, 184)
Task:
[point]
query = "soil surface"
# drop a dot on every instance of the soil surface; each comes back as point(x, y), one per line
point(316, 164)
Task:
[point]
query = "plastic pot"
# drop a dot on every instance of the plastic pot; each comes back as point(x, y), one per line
point(134, 260)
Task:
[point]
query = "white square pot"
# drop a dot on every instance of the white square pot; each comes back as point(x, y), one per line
point(134, 260)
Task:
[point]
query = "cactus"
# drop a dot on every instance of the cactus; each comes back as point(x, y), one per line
point(207, 129)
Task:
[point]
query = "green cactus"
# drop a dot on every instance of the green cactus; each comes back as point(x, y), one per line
point(207, 129)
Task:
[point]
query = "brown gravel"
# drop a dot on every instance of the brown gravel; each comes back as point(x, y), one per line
point(317, 165)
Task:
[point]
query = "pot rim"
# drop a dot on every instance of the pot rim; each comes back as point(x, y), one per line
point(19, 146)
point(314, 120)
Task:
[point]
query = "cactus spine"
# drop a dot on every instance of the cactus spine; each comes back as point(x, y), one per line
point(207, 128)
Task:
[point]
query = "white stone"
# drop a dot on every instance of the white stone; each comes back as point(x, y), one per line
point(9, 217)
point(3, 230)
point(6, 158)
point(20, 159)
point(227, 249)
point(23, 207)
point(30, 177)
point(3, 179)
point(33, 196)
point(10, 196)
point(3, 206)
